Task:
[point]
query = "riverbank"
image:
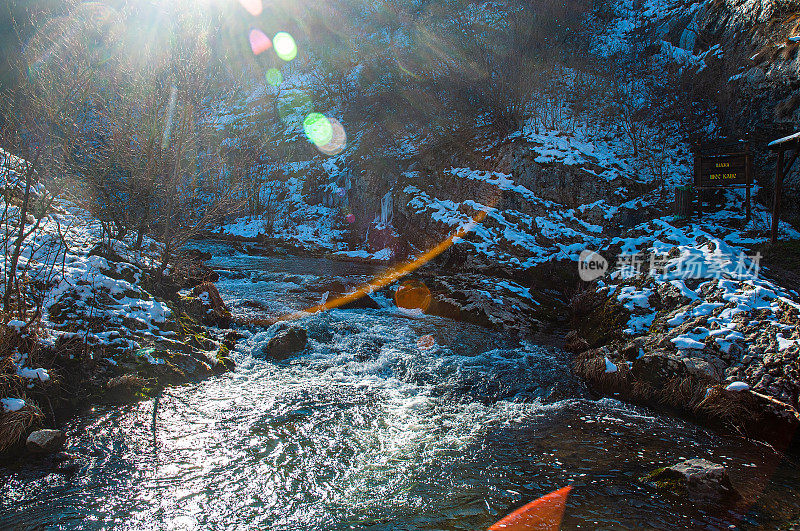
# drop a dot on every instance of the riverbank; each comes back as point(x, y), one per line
point(111, 329)
point(633, 339)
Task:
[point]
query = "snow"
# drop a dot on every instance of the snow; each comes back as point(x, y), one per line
point(82, 287)
point(785, 139)
point(632, 298)
point(703, 309)
point(685, 342)
point(785, 344)
point(34, 374)
point(12, 404)
point(610, 367)
point(737, 386)
point(147, 354)
point(639, 324)
point(16, 324)
point(382, 255)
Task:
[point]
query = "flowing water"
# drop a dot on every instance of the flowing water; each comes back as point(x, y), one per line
point(371, 429)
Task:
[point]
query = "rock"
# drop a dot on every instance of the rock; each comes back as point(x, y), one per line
point(196, 365)
point(124, 388)
point(65, 464)
point(287, 342)
point(632, 350)
point(699, 479)
point(365, 301)
point(700, 368)
point(196, 254)
point(45, 441)
point(224, 362)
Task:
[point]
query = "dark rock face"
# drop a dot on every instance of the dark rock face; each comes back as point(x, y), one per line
point(45, 441)
point(287, 342)
point(699, 479)
point(364, 302)
point(560, 183)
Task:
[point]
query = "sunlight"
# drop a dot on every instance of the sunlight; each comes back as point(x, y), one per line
point(398, 265)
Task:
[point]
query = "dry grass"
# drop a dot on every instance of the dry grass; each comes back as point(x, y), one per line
point(9, 381)
point(694, 396)
point(15, 424)
point(729, 409)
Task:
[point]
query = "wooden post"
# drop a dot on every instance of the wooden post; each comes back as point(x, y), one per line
point(776, 197)
point(696, 187)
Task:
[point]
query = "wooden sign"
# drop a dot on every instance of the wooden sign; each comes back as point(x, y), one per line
point(713, 171)
point(719, 171)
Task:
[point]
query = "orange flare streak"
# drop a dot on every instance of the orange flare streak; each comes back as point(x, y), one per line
point(544, 514)
point(392, 275)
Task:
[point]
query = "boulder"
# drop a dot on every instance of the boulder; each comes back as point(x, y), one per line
point(365, 302)
point(699, 479)
point(45, 441)
point(701, 368)
point(287, 342)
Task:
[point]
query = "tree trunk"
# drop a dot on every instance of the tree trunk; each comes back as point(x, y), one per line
point(11, 272)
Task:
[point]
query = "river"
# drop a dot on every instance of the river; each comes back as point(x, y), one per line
point(373, 429)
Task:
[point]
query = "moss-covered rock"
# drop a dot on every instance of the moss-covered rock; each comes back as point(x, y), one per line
point(697, 479)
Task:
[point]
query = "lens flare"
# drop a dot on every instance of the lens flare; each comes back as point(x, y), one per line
point(259, 42)
point(253, 7)
point(394, 273)
point(318, 129)
point(413, 295)
point(284, 46)
point(426, 342)
point(274, 77)
point(338, 139)
point(350, 218)
point(544, 514)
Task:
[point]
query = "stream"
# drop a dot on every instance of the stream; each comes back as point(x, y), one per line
point(372, 428)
